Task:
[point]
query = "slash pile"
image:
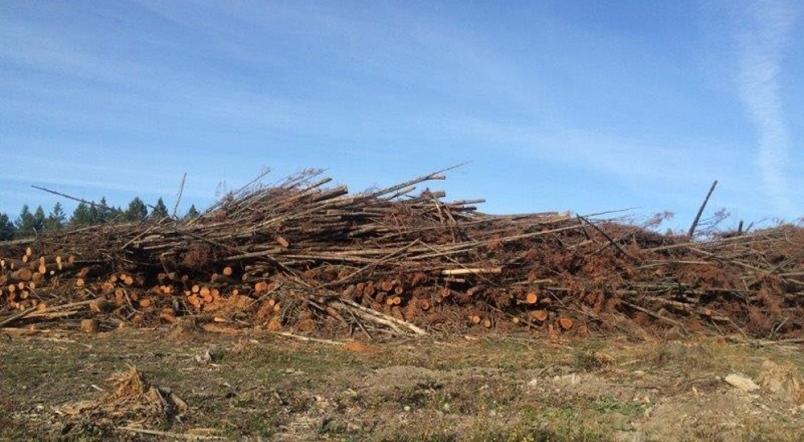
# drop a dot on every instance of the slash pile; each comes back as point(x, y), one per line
point(300, 256)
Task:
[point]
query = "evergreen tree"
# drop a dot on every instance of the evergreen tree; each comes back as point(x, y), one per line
point(7, 229)
point(25, 223)
point(95, 214)
point(100, 213)
point(39, 219)
point(136, 210)
point(115, 215)
point(160, 210)
point(81, 216)
point(56, 219)
point(192, 213)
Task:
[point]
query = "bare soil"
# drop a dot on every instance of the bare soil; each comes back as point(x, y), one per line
point(261, 386)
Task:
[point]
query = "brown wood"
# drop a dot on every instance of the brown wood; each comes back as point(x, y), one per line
point(23, 274)
point(539, 315)
point(89, 325)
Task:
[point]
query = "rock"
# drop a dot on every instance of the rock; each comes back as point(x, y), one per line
point(782, 381)
point(204, 358)
point(741, 382)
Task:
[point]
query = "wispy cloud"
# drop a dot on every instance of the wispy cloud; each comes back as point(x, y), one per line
point(763, 33)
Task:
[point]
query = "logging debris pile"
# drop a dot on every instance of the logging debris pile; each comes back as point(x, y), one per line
point(303, 257)
point(131, 398)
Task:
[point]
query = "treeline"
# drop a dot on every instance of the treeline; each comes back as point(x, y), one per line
point(29, 223)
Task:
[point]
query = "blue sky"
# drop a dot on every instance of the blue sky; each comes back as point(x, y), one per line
point(556, 105)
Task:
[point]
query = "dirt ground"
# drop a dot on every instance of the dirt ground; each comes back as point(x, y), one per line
point(262, 386)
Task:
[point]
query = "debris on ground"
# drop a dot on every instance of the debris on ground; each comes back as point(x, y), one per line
point(130, 400)
point(301, 257)
point(783, 381)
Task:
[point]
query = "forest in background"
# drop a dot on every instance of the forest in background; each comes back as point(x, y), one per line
point(30, 223)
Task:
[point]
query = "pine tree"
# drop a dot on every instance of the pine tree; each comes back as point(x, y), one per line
point(81, 216)
point(39, 219)
point(55, 221)
point(25, 223)
point(115, 215)
point(192, 213)
point(100, 213)
point(95, 215)
point(7, 229)
point(160, 210)
point(136, 210)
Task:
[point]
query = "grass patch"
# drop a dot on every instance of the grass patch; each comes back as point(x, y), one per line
point(608, 404)
point(268, 387)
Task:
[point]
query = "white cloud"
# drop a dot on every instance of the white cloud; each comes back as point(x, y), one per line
point(763, 34)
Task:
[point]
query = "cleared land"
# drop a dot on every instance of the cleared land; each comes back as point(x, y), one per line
point(264, 386)
point(221, 326)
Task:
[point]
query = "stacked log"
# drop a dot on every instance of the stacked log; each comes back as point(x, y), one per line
point(303, 256)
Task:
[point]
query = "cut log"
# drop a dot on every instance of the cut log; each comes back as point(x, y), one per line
point(100, 306)
point(23, 274)
point(539, 315)
point(89, 325)
point(168, 316)
point(472, 271)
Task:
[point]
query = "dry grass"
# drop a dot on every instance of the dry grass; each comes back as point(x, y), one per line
point(453, 389)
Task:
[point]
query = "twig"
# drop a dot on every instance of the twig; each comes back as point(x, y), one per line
point(308, 339)
point(606, 235)
point(169, 434)
point(19, 315)
point(379, 317)
point(657, 316)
